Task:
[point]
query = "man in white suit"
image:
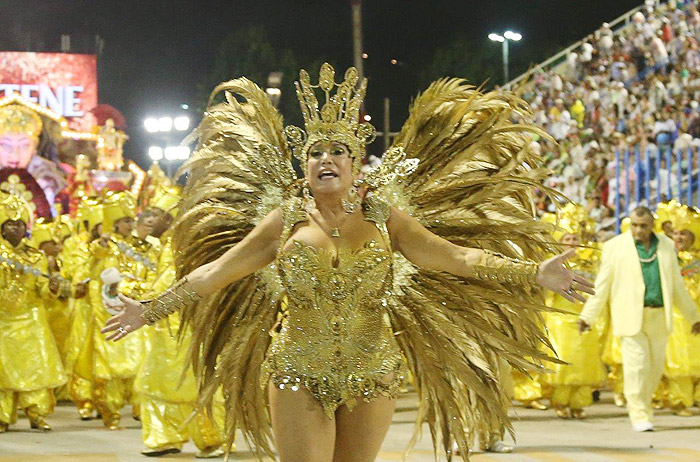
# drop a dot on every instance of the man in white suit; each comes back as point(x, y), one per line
point(640, 280)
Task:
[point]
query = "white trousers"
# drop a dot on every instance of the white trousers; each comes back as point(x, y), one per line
point(643, 358)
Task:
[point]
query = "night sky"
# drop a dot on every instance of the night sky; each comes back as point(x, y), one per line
point(158, 54)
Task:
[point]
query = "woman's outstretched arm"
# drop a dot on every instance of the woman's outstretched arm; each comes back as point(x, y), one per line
point(427, 250)
point(253, 253)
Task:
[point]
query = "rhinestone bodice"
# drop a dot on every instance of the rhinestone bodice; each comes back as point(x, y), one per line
point(334, 338)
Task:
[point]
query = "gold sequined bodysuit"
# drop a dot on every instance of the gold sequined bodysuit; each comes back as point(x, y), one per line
point(334, 339)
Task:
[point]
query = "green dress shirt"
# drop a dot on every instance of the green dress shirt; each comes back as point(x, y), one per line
point(653, 296)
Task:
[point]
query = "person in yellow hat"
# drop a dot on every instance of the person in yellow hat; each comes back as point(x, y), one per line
point(45, 237)
point(30, 364)
point(79, 346)
point(115, 364)
point(167, 402)
point(572, 384)
point(682, 369)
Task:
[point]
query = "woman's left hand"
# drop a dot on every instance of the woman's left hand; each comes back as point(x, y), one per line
point(553, 275)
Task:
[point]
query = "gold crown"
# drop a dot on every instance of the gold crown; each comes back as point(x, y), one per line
point(14, 207)
point(337, 120)
point(15, 118)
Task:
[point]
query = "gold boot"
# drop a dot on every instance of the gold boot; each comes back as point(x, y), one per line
point(562, 412)
point(578, 414)
point(111, 421)
point(85, 410)
point(682, 411)
point(36, 421)
point(4, 426)
point(536, 404)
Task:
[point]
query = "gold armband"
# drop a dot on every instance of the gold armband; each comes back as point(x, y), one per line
point(499, 268)
point(177, 297)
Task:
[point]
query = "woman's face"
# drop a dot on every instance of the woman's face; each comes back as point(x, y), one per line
point(329, 168)
point(16, 150)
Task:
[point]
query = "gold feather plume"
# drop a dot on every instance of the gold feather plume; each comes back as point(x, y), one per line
point(241, 170)
point(473, 185)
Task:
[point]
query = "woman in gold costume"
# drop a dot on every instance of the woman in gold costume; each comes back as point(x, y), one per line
point(308, 298)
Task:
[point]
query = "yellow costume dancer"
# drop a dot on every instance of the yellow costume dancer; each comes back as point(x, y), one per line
point(573, 383)
point(45, 238)
point(30, 364)
point(79, 347)
point(358, 314)
point(167, 401)
point(529, 390)
point(682, 369)
point(115, 364)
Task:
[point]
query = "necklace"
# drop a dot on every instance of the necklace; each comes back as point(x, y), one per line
point(334, 231)
point(650, 259)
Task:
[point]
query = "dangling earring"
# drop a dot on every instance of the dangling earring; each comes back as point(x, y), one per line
point(353, 201)
point(307, 198)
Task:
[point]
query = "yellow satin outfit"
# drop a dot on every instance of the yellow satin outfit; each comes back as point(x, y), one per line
point(116, 363)
point(682, 367)
point(167, 401)
point(30, 364)
point(334, 338)
point(79, 346)
point(573, 383)
point(58, 310)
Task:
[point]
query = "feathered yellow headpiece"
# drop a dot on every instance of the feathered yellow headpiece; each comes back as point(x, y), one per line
point(664, 213)
point(117, 205)
point(570, 219)
point(166, 199)
point(15, 118)
point(337, 120)
point(686, 219)
point(14, 207)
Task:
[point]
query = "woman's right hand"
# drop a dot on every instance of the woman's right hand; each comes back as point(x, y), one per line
point(127, 321)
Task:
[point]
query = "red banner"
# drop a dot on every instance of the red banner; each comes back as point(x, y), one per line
point(65, 83)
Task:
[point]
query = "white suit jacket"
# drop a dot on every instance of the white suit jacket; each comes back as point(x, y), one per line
point(620, 286)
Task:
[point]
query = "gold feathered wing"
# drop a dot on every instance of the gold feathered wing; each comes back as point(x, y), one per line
point(473, 185)
point(240, 171)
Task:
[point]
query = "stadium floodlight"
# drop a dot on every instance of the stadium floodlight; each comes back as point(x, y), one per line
point(151, 124)
point(155, 153)
point(172, 152)
point(181, 123)
point(514, 36)
point(496, 38)
point(183, 153)
point(165, 124)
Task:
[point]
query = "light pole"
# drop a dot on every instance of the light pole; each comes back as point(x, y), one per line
point(504, 39)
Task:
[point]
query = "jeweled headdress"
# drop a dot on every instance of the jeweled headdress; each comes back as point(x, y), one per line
point(14, 207)
point(337, 120)
point(15, 118)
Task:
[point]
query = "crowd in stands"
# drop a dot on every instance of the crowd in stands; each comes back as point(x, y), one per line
point(635, 88)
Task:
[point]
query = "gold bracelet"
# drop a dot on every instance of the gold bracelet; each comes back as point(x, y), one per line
point(499, 268)
point(177, 297)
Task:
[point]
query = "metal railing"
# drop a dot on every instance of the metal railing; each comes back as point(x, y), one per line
point(650, 177)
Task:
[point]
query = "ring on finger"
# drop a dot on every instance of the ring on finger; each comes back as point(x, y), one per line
point(121, 330)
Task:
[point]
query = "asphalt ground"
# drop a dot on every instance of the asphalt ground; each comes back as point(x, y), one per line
point(604, 436)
